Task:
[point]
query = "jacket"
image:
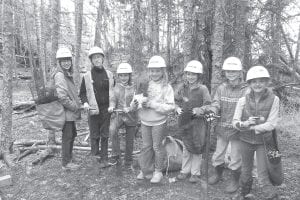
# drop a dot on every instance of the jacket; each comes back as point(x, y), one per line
point(121, 98)
point(89, 90)
point(66, 93)
point(223, 104)
point(266, 109)
point(192, 129)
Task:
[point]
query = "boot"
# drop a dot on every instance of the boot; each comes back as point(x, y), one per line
point(244, 191)
point(215, 178)
point(233, 182)
point(104, 148)
point(95, 147)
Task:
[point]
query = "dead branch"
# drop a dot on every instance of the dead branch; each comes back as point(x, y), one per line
point(27, 152)
point(43, 155)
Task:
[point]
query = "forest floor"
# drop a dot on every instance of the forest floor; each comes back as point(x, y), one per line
point(49, 181)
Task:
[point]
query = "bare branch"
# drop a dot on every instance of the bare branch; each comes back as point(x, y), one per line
point(298, 47)
point(286, 42)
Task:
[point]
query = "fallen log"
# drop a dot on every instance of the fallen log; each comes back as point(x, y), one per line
point(28, 143)
point(79, 148)
point(27, 152)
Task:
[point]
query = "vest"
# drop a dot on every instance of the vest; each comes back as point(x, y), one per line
point(94, 110)
point(260, 109)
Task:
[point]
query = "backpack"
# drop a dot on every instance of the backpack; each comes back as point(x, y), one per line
point(173, 153)
point(50, 111)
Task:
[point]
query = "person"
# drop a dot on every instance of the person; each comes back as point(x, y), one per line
point(66, 93)
point(95, 90)
point(223, 104)
point(192, 97)
point(122, 99)
point(256, 115)
point(158, 102)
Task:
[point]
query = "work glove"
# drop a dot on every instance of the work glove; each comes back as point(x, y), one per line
point(110, 109)
point(179, 110)
point(86, 107)
point(198, 111)
point(126, 110)
point(135, 104)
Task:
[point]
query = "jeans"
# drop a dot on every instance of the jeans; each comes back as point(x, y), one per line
point(115, 123)
point(68, 136)
point(247, 152)
point(191, 163)
point(219, 155)
point(152, 154)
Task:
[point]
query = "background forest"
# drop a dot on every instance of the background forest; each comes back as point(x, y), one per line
point(259, 32)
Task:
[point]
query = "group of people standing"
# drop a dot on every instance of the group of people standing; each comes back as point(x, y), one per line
point(248, 111)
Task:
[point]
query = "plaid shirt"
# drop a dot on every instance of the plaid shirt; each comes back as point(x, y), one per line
point(224, 103)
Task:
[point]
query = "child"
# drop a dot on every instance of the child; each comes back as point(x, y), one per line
point(223, 104)
point(256, 115)
point(66, 92)
point(193, 97)
point(153, 114)
point(122, 100)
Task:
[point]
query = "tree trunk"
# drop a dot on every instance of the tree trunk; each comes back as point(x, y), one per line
point(98, 28)
point(55, 33)
point(240, 28)
point(78, 33)
point(169, 42)
point(136, 38)
point(55, 29)
point(188, 30)
point(43, 48)
point(155, 27)
point(217, 45)
point(34, 62)
point(38, 31)
point(8, 65)
point(276, 35)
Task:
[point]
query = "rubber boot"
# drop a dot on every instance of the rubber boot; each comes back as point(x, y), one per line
point(233, 184)
point(217, 175)
point(104, 153)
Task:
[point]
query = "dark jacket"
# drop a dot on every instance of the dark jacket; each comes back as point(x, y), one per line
point(192, 130)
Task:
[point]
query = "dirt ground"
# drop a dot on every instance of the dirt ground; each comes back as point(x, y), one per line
point(49, 181)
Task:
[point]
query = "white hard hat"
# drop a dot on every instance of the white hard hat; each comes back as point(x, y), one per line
point(95, 50)
point(194, 66)
point(232, 63)
point(124, 68)
point(257, 72)
point(63, 52)
point(156, 62)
